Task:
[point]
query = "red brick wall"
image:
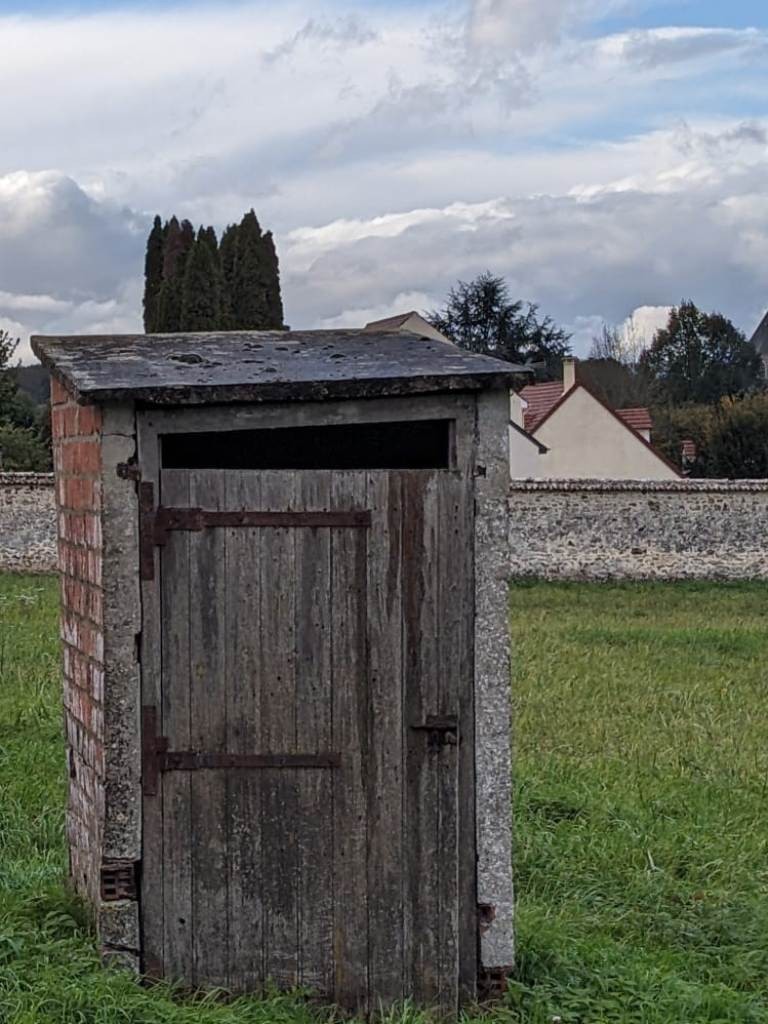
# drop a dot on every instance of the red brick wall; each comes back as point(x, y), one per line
point(77, 459)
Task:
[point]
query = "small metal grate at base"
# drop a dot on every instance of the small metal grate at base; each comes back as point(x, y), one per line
point(492, 983)
point(118, 880)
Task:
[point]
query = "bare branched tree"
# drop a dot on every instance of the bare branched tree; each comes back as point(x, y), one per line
point(624, 344)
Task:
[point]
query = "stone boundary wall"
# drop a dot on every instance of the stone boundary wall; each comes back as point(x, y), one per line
point(558, 529)
point(27, 522)
point(639, 530)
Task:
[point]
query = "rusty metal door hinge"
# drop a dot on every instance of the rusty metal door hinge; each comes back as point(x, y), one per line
point(128, 471)
point(442, 731)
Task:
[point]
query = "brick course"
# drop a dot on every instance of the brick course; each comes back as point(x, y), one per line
point(77, 458)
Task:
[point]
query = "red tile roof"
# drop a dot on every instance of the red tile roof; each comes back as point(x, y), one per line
point(637, 418)
point(540, 399)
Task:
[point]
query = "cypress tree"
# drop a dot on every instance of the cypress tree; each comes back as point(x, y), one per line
point(201, 286)
point(243, 292)
point(153, 275)
point(228, 259)
point(248, 300)
point(256, 303)
point(272, 284)
point(179, 240)
point(208, 235)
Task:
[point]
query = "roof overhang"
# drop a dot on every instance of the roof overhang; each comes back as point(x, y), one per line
point(263, 366)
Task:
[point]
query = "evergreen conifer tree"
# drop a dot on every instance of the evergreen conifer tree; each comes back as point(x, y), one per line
point(228, 260)
point(272, 284)
point(248, 299)
point(153, 275)
point(201, 286)
point(179, 240)
point(256, 304)
point(208, 236)
point(244, 286)
point(481, 316)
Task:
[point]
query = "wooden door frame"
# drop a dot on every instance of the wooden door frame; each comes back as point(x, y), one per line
point(480, 438)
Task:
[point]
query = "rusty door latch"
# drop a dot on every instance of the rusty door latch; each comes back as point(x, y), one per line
point(441, 730)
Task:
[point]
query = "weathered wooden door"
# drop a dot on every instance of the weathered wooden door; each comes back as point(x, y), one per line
point(308, 749)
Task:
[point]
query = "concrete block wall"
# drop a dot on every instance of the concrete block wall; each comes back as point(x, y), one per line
point(77, 457)
point(639, 529)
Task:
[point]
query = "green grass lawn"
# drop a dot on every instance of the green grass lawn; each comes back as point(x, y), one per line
point(641, 840)
point(642, 796)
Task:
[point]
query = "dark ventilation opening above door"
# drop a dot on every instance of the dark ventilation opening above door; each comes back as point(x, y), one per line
point(405, 444)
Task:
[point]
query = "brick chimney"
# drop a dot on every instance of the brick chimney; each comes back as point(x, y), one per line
point(569, 373)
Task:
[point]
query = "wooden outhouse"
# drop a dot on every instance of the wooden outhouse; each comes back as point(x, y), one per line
point(284, 619)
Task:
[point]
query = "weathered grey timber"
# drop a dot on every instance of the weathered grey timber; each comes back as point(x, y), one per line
point(306, 687)
point(262, 366)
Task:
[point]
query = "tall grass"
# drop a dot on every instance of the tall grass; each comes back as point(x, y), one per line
point(49, 970)
point(642, 802)
point(641, 795)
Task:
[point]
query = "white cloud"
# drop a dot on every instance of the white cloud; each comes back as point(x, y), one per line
point(33, 303)
point(68, 262)
point(641, 325)
point(526, 24)
point(583, 331)
point(403, 302)
point(340, 33)
point(58, 241)
point(391, 151)
point(590, 255)
point(17, 330)
point(585, 257)
point(665, 46)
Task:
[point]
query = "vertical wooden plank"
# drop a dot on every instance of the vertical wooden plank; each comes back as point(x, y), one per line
point(208, 731)
point(421, 698)
point(243, 695)
point(278, 735)
point(175, 718)
point(152, 899)
point(386, 863)
point(313, 735)
point(350, 728)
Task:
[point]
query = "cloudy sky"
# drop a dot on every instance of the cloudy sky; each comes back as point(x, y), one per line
point(605, 156)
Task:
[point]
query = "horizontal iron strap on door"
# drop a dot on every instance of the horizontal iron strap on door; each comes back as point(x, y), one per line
point(157, 758)
point(167, 519)
point(198, 760)
point(156, 523)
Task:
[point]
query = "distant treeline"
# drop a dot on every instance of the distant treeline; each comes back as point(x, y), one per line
point(194, 283)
